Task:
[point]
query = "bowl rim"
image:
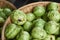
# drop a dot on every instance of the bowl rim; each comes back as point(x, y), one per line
point(21, 9)
point(11, 5)
point(8, 3)
point(34, 3)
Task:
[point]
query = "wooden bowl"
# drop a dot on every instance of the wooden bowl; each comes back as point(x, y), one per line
point(4, 3)
point(28, 8)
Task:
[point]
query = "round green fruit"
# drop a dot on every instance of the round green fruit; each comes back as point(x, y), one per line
point(18, 17)
point(39, 11)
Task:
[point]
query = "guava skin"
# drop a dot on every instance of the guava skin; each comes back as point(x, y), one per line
point(27, 26)
point(52, 6)
point(7, 11)
point(51, 27)
point(36, 39)
point(24, 35)
point(38, 33)
point(18, 17)
point(30, 16)
point(39, 11)
point(58, 38)
point(54, 16)
point(49, 37)
point(39, 23)
point(12, 30)
point(2, 20)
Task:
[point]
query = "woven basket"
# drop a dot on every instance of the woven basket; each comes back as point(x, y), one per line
point(4, 3)
point(26, 9)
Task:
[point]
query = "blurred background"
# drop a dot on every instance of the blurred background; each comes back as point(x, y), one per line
point(19, 3)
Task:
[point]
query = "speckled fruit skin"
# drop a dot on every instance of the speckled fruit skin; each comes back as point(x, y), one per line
point(12, 30)
point(40, 23)
point(39, 11)
point(54, 15)
point(24, 35)
point(52, 6)
point(27, 26)
point(18, 17)
point(51, 27)
point(7, 11)
point(38, 33)
point(30, 16)
point(50, 37)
